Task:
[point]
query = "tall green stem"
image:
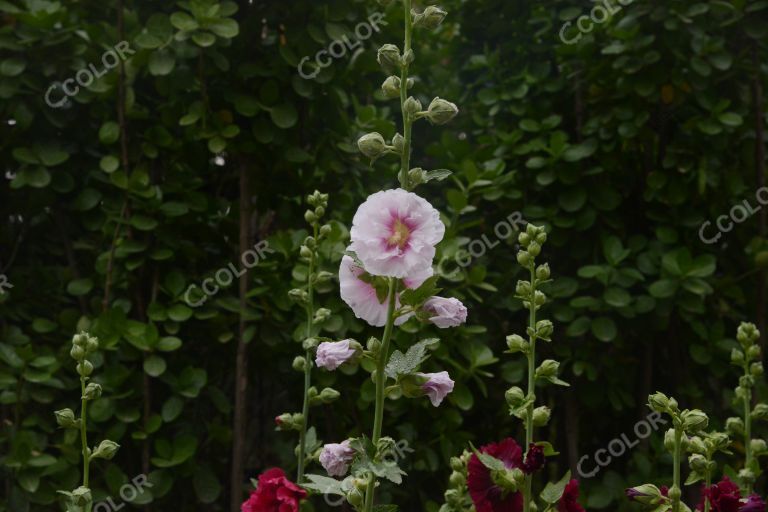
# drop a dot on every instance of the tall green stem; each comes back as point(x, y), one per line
point(531, 384)
point(707, 483)
point(747, 430)
point(381, 380)
point(676, 469)
point(84, 434)
point(405, 159)
point(307, 366)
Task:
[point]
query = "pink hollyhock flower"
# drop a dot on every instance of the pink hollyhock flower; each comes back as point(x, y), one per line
point(486, 495)
point(446, 312)
point(437, 387)
point(569, 501)
point(394, 233)
point(336, 458)
point(361, 295)
point(534, 459)
point(275, 493)
point(332, 354)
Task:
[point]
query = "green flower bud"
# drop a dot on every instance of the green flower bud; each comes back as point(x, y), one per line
point(399, 143)
point(737, 356)
point(417, 176)
point(675, 493)
point(298, 295)
point(441, 111)
point(81, 497)
point(532, 230)
point(325, 230)
point(373, 345)
point(389, 58)
point(92, 345)
point(408, 58)
point(517, 344)
point(544, 329)
point(542, 272)
point(321, 315)
point(541, 416)
point(539, 298)
point(92, 391)
point(756, 369)
point(106, 450)
point(457, 479)
point(514, 396)
point(328, 395)
point(698, 463)
point(66, 419)
point(80, 339)
point(523, 258)
point(669, 440)
point(523, 288)
point(534, 249)
point(647, 494)
point(324, 276)
point(524, 239)
point(696, 445)
point(734, 426)
point(84, 368)
point(299, 363)
point(547, 369)
point(305, 252)
point(457, 464)
point(77, 352)
point(659, 402)
point(412, 106)
point(430, 19)
point(320, 211)
point(718, 440)
point(747, 334)
point(355, 498)
point(372, 145)
point(747, 476)
point(758, 446)
point(391, 87)
point(753, 352)
point(310, 242)
point(760, 412)
point(694, 421)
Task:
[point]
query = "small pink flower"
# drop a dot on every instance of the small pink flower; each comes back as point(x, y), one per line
point(437, 386)
point(394, 233)
point(446, 312)
point(361, 296)
point(336, 458)
point(332, 354)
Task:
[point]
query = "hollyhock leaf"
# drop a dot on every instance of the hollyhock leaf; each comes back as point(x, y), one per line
point(323, 485)
point(489, 461)
point(549, 450)
point(437, 174)
point(554, 491)
point(403, 364)
point(417, 297)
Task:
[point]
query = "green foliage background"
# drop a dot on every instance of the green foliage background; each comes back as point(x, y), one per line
point(622, 144)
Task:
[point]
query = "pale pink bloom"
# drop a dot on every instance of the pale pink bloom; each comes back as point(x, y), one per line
point(446, 312)
point(361, 296)
point(394, 233)
point(332, 354)
point(336, 458)
point(437, 387)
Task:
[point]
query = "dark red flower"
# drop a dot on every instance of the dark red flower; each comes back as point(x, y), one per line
point(275, 493)
point(486, 495)
point(723, 496)
point(570, 499)
point(534, 459)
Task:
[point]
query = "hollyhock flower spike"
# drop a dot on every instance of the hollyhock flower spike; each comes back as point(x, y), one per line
point(394, 233)
point(437, 386)
point(360, 295)
point(332, 354)
point(275, 493)
point(336, 458)
point(486, 494)
point(445, 313)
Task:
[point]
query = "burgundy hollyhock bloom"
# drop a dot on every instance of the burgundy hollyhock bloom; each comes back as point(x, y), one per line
point(569, 502)
point(275, 493)
point(486, 495)
point(534, 459)
point(723, 496)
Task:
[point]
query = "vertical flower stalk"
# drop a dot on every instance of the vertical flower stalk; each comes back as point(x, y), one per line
point(701, 461)
point(83, 346)
point(747, 356)
point(306, 296)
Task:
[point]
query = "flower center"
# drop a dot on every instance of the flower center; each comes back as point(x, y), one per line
point(400, 234)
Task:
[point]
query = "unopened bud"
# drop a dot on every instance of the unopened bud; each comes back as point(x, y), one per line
point(398, 142)
point(734, 426)
point(516, 344)
point(542, 272)
point(698, 463)
point(372, 145)
point(694, 421)
point(523, 288)
point(321, 315)
point(756, 369)
point(299, 363)
point(328, 395)
point(77, 352)
point(430, 19)
point(105, 450)
point(523, 258)
point(514, 396)
point(541, 416)
point(412, 106)
point(66, 418)
point(389, 58)
point(325, 230)
point(92, 391)
point(441, 111)
point(760, 412)
point(547, 369)
point(544, 329)
point(84, 368)
point(391, 87)
point(534, 249)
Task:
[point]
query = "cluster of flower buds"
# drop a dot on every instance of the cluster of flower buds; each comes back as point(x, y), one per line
point(748, 356)
point(83, 346)
point(457, 498)
point(702, 449)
